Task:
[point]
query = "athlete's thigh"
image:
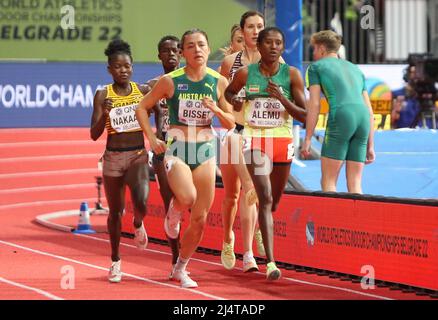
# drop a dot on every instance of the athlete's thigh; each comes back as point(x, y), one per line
point(137, 179)
point(357, 150)
point(204, 178)
point(179, 177)
point(114, 188)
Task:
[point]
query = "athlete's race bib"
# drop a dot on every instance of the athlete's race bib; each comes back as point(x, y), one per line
point(123, 119)
point(266, 113)
point(192, 112)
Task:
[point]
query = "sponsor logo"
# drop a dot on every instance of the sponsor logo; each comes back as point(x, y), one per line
point(210, 86)
point(183, 87)
point(310, 233)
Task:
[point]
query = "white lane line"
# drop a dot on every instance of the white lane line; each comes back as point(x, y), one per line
point(47, 202)
point(49, 188)
point(219, 264)
point(49, 173)
point(53, 157)
point(51, 143)
point(39, 291)
point(106, 270)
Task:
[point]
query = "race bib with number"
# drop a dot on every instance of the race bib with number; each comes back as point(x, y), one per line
point(123, 119)
point(266, 113)
point(192, 112)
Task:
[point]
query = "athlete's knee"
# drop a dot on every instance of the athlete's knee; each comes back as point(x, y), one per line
point(197, 225)
point(115, 216)
point(187, 200)
point(230, 201)
point(265, 198)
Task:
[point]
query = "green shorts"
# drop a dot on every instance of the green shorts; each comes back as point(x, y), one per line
point(192, 153)
point(346, 136)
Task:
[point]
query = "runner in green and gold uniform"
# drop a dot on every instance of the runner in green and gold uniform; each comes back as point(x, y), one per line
point(350, 126)
point(194, 95)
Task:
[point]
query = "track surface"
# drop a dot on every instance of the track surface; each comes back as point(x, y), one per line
point(49, 170)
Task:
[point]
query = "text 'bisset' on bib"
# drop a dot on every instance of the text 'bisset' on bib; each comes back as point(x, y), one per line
point(192, 112)
point(123, 119)
point(266, 113)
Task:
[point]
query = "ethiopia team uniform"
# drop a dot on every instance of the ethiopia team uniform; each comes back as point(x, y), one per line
point(268, 126)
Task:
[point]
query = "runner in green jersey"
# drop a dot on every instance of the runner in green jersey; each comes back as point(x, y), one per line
point(194, 95)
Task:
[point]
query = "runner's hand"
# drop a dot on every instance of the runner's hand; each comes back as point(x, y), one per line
point(158, 146)
point(371, 156)
point(274, 91)
point(107, 105)
point(209, 104)
point(305, 148)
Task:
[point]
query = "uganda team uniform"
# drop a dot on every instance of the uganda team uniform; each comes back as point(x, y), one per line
point(186, 109)
point(122, 119)
point(268, 125)
point(348, 125)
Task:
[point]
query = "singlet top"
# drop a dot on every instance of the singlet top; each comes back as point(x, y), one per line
point(341, 81)
point(185, 106)
point(265, 116)
point(122, 115)
point(236, 65)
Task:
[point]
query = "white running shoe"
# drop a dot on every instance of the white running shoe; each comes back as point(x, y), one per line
point(172, 221)
point(171, 278)
point(115, 273)
point(228, 258)
point(249, 264)
point(141, 237)
point(184, 279)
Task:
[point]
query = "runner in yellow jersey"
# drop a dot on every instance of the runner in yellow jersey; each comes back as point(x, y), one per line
point(125, 157)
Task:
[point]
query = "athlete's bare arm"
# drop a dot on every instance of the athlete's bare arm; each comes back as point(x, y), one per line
point(101, 109)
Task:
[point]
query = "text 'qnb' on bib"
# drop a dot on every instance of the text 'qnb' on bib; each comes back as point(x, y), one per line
point(266, 113)
point(123, 119)
point(192, 112)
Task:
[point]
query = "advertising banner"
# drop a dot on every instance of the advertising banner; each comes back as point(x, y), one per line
point(382, 238)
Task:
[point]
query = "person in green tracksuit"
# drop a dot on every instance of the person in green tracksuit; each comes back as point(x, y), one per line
point(349, 133)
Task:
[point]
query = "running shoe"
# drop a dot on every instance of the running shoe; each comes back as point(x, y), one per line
point(115, 273)
point(172, 221)
point(228, 258)
point(141, 237)
point(259, 242)
point(171, 277)
point(184, 279)
point(249, 264)
point(272, 272)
